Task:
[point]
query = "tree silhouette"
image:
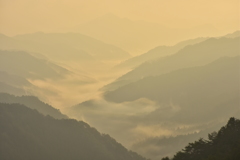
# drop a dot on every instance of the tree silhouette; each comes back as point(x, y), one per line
point(221, 145)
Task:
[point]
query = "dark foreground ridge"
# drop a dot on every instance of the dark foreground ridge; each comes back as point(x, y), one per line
point(221, 145)
point(25, 134)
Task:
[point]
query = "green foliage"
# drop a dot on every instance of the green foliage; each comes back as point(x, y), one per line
point(26, 134)
point(221, 145)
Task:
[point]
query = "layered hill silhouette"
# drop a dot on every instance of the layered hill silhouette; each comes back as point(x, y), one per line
point(26, 134)
point(138, 36)
point(190, 56)
point(13, 84)
point(73, 47)
point(33, 103)
point(156, 53)
point(162, 51)
point(233, 35)
point(4, 87)
point(23, 64)
point(13, 80)
point(198, 90)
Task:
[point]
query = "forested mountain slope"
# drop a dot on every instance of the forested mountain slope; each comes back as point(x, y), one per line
point(221, 145)
point(26, 135)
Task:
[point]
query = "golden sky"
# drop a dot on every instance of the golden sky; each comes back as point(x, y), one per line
point(25, 16)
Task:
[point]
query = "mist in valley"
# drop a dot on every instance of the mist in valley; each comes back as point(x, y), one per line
point(118, 80)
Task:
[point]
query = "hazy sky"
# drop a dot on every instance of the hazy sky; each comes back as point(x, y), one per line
point(24, 16)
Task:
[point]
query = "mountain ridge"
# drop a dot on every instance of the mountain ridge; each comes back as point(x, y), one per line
point(34, 136)
point(190, 56)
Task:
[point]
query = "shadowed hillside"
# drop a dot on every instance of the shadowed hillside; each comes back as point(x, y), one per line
point(186, 86)
point(190, 56)
point(25, 135)
point(200, 91)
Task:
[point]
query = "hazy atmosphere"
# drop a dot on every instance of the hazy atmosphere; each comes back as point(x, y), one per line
point(119, 80)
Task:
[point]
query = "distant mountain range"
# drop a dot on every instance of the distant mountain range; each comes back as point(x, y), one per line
point(193, 90)
point(33, 103)
point(193, 84)
point(18, 70)
point(233, 35)
point(139, 36)
point(25, 65)
point(156, 53)
point(73, 47)
point(162, 51)
point(13, 80)
point(13, 84)
point(193, 55)
point(4, 87)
